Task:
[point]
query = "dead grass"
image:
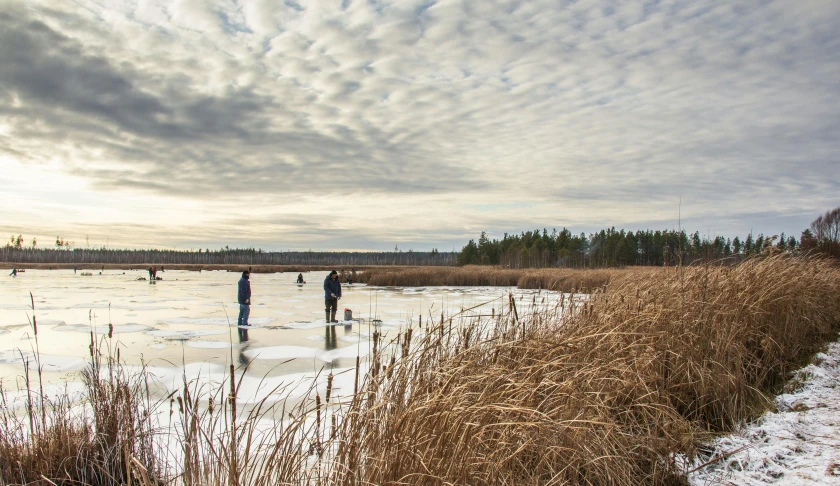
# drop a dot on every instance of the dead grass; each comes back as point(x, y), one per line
point(604, 394)
point(104, 437)
point(604, 389)
point(559, 279)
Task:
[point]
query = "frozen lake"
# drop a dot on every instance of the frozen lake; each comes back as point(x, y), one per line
point(186, 323)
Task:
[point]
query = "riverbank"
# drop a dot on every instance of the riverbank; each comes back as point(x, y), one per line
point(798, 443)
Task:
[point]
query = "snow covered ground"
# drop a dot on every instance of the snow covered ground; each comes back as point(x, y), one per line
point(798, 445)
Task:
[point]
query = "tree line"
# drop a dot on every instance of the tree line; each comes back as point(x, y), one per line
point(611, 247)
point(20, 253)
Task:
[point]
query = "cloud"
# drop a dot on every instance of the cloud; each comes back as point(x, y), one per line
point(586, 112)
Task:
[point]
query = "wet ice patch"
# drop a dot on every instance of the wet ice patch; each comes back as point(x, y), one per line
point(305, 324)
point(101, 329)
point(187, 334)
point(17, 399)
point(208, 344)
point(214, 321)
point(301, 352)
point(49, 362)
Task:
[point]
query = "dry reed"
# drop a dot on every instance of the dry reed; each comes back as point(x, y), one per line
point(606, 393)
point(604, 389)
point(559, 279)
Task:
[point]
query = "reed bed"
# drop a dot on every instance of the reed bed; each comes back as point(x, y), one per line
point(609, 392)
point(559, 279)
point(608, 388)
point(106, 436)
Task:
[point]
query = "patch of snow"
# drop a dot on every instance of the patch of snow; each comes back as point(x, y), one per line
point(797, 445)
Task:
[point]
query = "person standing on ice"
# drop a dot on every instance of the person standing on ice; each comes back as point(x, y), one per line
point(332, 292)
point(244, 298)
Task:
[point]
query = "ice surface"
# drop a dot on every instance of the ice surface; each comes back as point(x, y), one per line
point(187, 334)
point(209, 344)
point(214, 321)
point(295, 352)
point(49, 362)
point(100, 330)
point(200, 310)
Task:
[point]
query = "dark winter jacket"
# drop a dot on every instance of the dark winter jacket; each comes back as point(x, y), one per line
point(244, 291)
point(331, 287)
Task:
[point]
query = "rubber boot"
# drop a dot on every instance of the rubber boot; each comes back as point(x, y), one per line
point(332, 317)
point(327, 316)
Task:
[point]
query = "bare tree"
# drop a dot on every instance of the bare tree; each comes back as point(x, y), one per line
point(826, 230)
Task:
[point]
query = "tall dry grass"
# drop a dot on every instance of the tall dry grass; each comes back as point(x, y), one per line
point(106, 436)
point(605, 394)
point(604, 389)
point(558, 279)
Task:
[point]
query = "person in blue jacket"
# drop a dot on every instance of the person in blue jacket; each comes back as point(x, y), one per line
point(244, 298)
point(332, 292)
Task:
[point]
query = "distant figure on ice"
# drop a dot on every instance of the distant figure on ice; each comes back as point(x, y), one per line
point(151, 275)
point(300, 278)
point(332, 292)
point(74, 268)
point(14, 273)
point(349, 279)
point(244, 298)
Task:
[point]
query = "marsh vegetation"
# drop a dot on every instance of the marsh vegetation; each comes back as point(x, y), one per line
point(610, 387)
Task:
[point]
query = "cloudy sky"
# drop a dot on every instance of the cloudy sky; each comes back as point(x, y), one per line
point(365, 124)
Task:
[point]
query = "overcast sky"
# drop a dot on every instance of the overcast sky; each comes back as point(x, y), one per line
point(365, 124)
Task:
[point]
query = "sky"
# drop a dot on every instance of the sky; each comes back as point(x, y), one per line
point(367, 124)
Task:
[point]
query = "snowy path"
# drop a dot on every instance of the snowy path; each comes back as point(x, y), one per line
point(798, 445)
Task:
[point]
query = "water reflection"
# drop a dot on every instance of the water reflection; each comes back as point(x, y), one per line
point(243, 339)
point(330, 341)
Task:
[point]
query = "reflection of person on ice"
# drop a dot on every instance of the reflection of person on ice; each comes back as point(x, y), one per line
point(244, 299)
point(332, 292)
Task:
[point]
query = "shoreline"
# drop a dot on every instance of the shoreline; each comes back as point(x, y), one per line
point(194, 267)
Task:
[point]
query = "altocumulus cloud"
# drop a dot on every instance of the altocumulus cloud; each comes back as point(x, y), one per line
point(589, 112)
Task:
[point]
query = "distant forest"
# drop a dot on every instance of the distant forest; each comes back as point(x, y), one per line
point(611, 247)
point(529, 249)
point(17, 252)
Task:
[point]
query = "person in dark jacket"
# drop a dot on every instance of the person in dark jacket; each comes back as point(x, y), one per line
point(244, 298)
point(332, 292)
